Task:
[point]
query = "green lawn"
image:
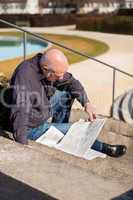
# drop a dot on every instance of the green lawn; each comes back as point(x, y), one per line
point(88, 46)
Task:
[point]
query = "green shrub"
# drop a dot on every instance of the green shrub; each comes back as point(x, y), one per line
point(109, 24)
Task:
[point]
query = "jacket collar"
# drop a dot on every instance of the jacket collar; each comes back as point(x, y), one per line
point(36, 65)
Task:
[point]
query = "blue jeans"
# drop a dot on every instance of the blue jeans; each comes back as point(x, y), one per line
point(61, 103)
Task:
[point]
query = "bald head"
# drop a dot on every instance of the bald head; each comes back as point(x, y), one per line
point(56, 61)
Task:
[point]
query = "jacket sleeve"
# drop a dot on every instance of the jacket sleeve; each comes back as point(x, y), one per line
point(20, 108)
point(77, 91)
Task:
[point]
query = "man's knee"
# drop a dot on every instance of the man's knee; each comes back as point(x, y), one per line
point(61, 98)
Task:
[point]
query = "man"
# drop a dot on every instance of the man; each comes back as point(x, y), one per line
point(42, 88)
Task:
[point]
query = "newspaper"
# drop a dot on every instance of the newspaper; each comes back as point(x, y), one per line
point(78, 140)
point(91, 154)
point(51, 137)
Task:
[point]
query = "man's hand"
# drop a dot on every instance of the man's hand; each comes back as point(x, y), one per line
point(91, 111)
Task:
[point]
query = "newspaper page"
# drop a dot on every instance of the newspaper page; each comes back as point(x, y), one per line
point(80, 137)
point(91, 154)
point(51, 137)
point(78, 140)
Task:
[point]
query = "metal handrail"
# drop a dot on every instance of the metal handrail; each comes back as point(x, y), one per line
point(115, 69)
point(65, 47)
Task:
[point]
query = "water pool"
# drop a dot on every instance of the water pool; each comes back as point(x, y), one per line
point(12, 47)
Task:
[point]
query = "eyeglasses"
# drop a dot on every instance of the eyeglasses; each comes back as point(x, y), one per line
point(50, 71)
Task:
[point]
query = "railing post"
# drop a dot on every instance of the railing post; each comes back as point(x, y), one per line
point(113, 90)
point(24, 44)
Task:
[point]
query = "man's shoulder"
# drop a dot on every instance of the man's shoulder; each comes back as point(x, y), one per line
point(27, 68)
point(29, 65)
point(23, 69)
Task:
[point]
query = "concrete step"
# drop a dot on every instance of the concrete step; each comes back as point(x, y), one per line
point(38, 172)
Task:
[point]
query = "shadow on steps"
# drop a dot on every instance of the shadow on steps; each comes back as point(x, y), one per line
point(125, 196)
point(12, 189)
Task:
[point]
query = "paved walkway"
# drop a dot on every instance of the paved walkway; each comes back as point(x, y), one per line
point(97, 78)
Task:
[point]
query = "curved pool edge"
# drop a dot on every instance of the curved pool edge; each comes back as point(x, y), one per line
point(10, 51)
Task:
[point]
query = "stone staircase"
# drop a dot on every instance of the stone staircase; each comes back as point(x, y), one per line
point(38, 172)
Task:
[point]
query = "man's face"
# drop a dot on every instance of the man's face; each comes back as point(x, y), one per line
point(51, 75)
